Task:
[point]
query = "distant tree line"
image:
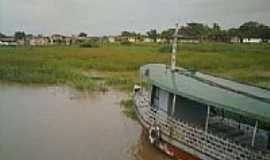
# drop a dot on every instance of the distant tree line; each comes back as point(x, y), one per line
point(210, 33)
point(199, 30)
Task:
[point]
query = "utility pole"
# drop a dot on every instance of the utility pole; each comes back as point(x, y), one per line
point(174, 48)
point(173, 64)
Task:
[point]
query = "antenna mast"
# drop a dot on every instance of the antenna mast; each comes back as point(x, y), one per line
point(174, 48)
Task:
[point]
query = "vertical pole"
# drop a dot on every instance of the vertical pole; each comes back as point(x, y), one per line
point(173, 105)
point(268, 141)
point(173, 58)
point(141, 78)
point(171, 115)
point(254, 134)
point(207, 119)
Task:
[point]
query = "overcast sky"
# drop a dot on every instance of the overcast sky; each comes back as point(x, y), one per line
point(104, 17)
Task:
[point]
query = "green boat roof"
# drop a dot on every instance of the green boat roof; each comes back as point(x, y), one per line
point(249, 101)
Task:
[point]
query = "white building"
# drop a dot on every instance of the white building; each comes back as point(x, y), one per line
point(39, 41)
point(3, 43)
point(235, 40)
point(8, 41)
point(161, 40)
point(148, 40)
point(132, 39)
point(252, 40)
point(111, 39)
point(188, 39)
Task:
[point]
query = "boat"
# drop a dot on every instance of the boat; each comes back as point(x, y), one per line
point(193, 115)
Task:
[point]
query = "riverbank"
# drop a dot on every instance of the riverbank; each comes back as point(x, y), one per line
point(90, 69)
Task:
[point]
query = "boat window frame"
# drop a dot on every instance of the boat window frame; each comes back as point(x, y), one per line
point(154, 96)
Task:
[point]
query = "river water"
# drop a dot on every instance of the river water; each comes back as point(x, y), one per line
point(56, 123)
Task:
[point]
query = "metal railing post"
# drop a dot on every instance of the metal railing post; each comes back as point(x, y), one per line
point(254, 134)
point(207, 119)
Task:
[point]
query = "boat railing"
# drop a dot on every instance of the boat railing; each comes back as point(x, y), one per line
point(196, 138)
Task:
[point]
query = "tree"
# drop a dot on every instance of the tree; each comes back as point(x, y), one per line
point(255, 30)
point(19, 35)
point(167, 34)
point(125, 33)
point(216, 27)
point(139, 36)
point(196, 30)
point(153, 34)
point(250, 29)
point(234, 32)
point(129, 34)
point(264, 32)
point(217, 34)
point(82, 34)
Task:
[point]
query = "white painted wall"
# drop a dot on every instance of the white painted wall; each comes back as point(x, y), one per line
point(252, 40)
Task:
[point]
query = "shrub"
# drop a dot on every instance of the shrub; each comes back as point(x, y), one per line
point(126, 43)
point(165, 49)
point(89, 45)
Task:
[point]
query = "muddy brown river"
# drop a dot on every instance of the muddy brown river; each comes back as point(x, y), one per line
point(55, 123)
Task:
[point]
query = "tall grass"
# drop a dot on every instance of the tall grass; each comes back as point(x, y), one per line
point(117, 65)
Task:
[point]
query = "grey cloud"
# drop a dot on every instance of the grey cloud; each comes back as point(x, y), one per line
point(98, 17)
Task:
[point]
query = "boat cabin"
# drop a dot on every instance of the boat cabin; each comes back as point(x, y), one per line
point(224, 108)
point(185, 109)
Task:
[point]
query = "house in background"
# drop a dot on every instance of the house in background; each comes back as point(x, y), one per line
point(132, 39)
point(148, 40)
point(8, 41)
point(57, 39)
point(39, 41)
point(111, 39)
point(188, 39)
point(121, 39)
point(235, 40)
point(68, 41)
point(21, 42)
point(161, 40)
point(252, 40)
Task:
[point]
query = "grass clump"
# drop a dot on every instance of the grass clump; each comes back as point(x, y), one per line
point(165, 49)
point(126, 43)
point(128, 108)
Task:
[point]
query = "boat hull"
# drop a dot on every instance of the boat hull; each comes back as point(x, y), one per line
point(169, 149)
point(164, 144)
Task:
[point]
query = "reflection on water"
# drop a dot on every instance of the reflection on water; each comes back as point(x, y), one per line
point(53, 123)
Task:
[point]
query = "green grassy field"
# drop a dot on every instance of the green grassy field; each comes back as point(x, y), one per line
point(117, 66)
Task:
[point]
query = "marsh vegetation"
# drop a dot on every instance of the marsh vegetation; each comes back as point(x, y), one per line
point(115, 65)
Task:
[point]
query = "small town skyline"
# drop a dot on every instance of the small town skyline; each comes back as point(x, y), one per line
point(249, 32)
point(130, 31)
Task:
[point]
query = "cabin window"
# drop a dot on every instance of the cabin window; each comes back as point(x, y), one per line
point(163, 100)
point(155, 97)
point(160, 99)
point(190, 111)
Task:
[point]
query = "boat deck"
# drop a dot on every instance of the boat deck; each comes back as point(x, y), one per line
point(228, 129)
point(223, 141)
